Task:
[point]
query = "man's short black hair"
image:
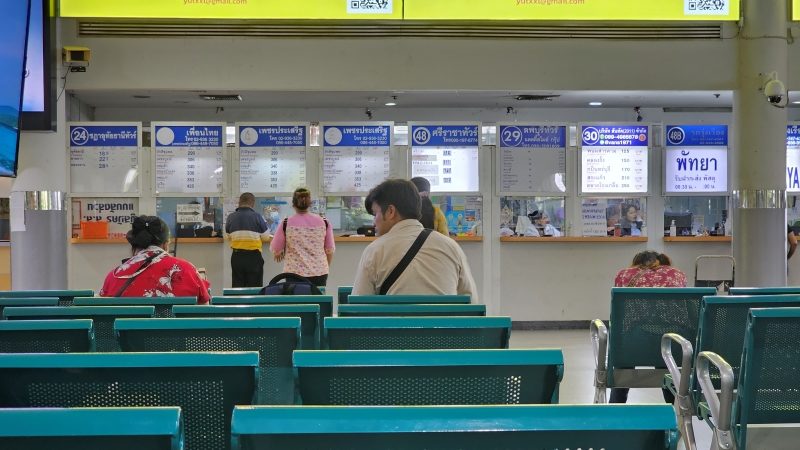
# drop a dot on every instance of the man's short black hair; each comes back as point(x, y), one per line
point(400, 193)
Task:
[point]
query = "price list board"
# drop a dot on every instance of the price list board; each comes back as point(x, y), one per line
point(532, 159)
point(104, 157)
point(447, 156)
point(272, 157)
point(188, 157)
point(355, 156)
point(793, 157)
point(614, 159)
point(696, 159)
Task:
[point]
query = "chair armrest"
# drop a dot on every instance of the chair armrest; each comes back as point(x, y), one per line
point(599, 336)
point(680, 376)
point(719, 406)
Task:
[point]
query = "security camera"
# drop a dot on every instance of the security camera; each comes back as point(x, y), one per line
point(774, 89)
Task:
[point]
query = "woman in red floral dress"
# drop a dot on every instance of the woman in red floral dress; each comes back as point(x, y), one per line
point(152, 271)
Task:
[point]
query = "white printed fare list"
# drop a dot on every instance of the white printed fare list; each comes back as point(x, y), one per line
point(272, 157)
point(188, 157)
point(104, 157)
point(447, 156)
point(533, 158)
point(614, 158)
point(355, 156)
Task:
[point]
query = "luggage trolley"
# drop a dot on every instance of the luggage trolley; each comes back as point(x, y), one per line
point(717, 271)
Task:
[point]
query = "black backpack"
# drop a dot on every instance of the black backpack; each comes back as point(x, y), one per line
point(292, 284)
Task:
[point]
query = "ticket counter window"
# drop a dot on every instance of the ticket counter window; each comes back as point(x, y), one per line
point(191, 217)
point(793, 211)
point(618, 217)
point(5, 228)
point(102, 217)
point(696, 216)
point(347, 215)
point(463, 213)
point(533, 216)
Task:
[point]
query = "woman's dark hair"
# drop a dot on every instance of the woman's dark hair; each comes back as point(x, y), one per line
point(427, 213)
point(400, 193)
point(301, 199)
point(422, 184)
point(664, 260)
point(147, 231)
point(647, 259)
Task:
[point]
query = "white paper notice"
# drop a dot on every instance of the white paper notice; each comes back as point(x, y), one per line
point(447, 156)
point(104, 157)
point(272, 157)
point(533, 158)
point(614, 159)
point(188, 157)
point(355, 157)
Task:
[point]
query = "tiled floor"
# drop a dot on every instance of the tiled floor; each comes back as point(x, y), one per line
point(576, 387)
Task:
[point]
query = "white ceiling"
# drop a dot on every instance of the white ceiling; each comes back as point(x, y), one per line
point(407, 99)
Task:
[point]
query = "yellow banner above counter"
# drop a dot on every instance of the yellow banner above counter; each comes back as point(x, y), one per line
point(795, 9)
point(574, 10)
point(235, 9)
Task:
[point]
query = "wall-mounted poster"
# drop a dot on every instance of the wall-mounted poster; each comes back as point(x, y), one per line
point(793, 157)
point(614, 158)
point(446, 155)
point(104, 157)
point(355, 156)
point(118, 212)
point(696, 159)
point(272, 157)
point(532, 158)
point(188, 157)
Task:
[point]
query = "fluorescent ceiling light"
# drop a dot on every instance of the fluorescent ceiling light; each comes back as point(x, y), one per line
point(595, 103)
point(796, 102)
point(391, 104)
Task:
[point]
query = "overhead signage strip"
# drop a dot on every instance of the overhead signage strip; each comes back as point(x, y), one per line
point(235, 9)
point(574, 10)
point(467, 10)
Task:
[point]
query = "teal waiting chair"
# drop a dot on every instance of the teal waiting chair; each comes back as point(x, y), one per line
point(374, 310)
point(273, 338)
point(308, 314)
point(417, 333)
point(342, 294)
point(91, 429)
point(65, 296)
point(46, 336)
point(229, 292)
point(206, 386)
point(416, 299)
point(723, 321)
point(163, 305)
point(27, 301)
point(102, 316)
point(586, 427)
point(429, 377)
point(764, 410)
point(627, 353)
point(781, 290)
point(325, 302)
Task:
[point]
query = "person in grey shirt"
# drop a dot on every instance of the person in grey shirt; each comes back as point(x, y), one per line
point(440, 267)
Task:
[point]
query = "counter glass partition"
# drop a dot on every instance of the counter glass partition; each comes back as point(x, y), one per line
point(191, 217)
point(533, 216)
point(614, 216)
point(101, 217)
point(695, 216)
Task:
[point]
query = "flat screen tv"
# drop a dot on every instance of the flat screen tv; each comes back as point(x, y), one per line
point(38, 106)
point(13, 36)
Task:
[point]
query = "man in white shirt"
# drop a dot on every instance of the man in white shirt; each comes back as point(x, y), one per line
point(440, 266)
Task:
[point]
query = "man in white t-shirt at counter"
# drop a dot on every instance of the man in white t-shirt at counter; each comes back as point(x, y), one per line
point(440, 265)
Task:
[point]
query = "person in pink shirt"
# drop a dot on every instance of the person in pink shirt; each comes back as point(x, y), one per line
point(304, 241)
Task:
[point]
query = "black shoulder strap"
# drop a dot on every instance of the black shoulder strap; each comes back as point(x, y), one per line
point(285, 223)
point(401, 266)
point(132, 278)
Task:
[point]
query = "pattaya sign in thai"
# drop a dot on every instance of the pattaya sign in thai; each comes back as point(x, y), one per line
point(619, 10)
point(235, 9)
point(696, 159)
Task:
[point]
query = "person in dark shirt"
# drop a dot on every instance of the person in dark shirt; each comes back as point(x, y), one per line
point(247, 229)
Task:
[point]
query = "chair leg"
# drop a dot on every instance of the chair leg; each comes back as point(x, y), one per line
point(684, 414)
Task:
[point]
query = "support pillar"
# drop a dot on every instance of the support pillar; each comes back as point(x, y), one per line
point(759, 157)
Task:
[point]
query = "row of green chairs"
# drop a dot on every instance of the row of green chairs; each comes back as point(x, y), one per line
point(206, 385)
point(334, 428)
point(722, 325)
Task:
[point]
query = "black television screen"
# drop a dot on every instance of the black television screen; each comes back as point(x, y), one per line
point(38, 112)
point(13, 35)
